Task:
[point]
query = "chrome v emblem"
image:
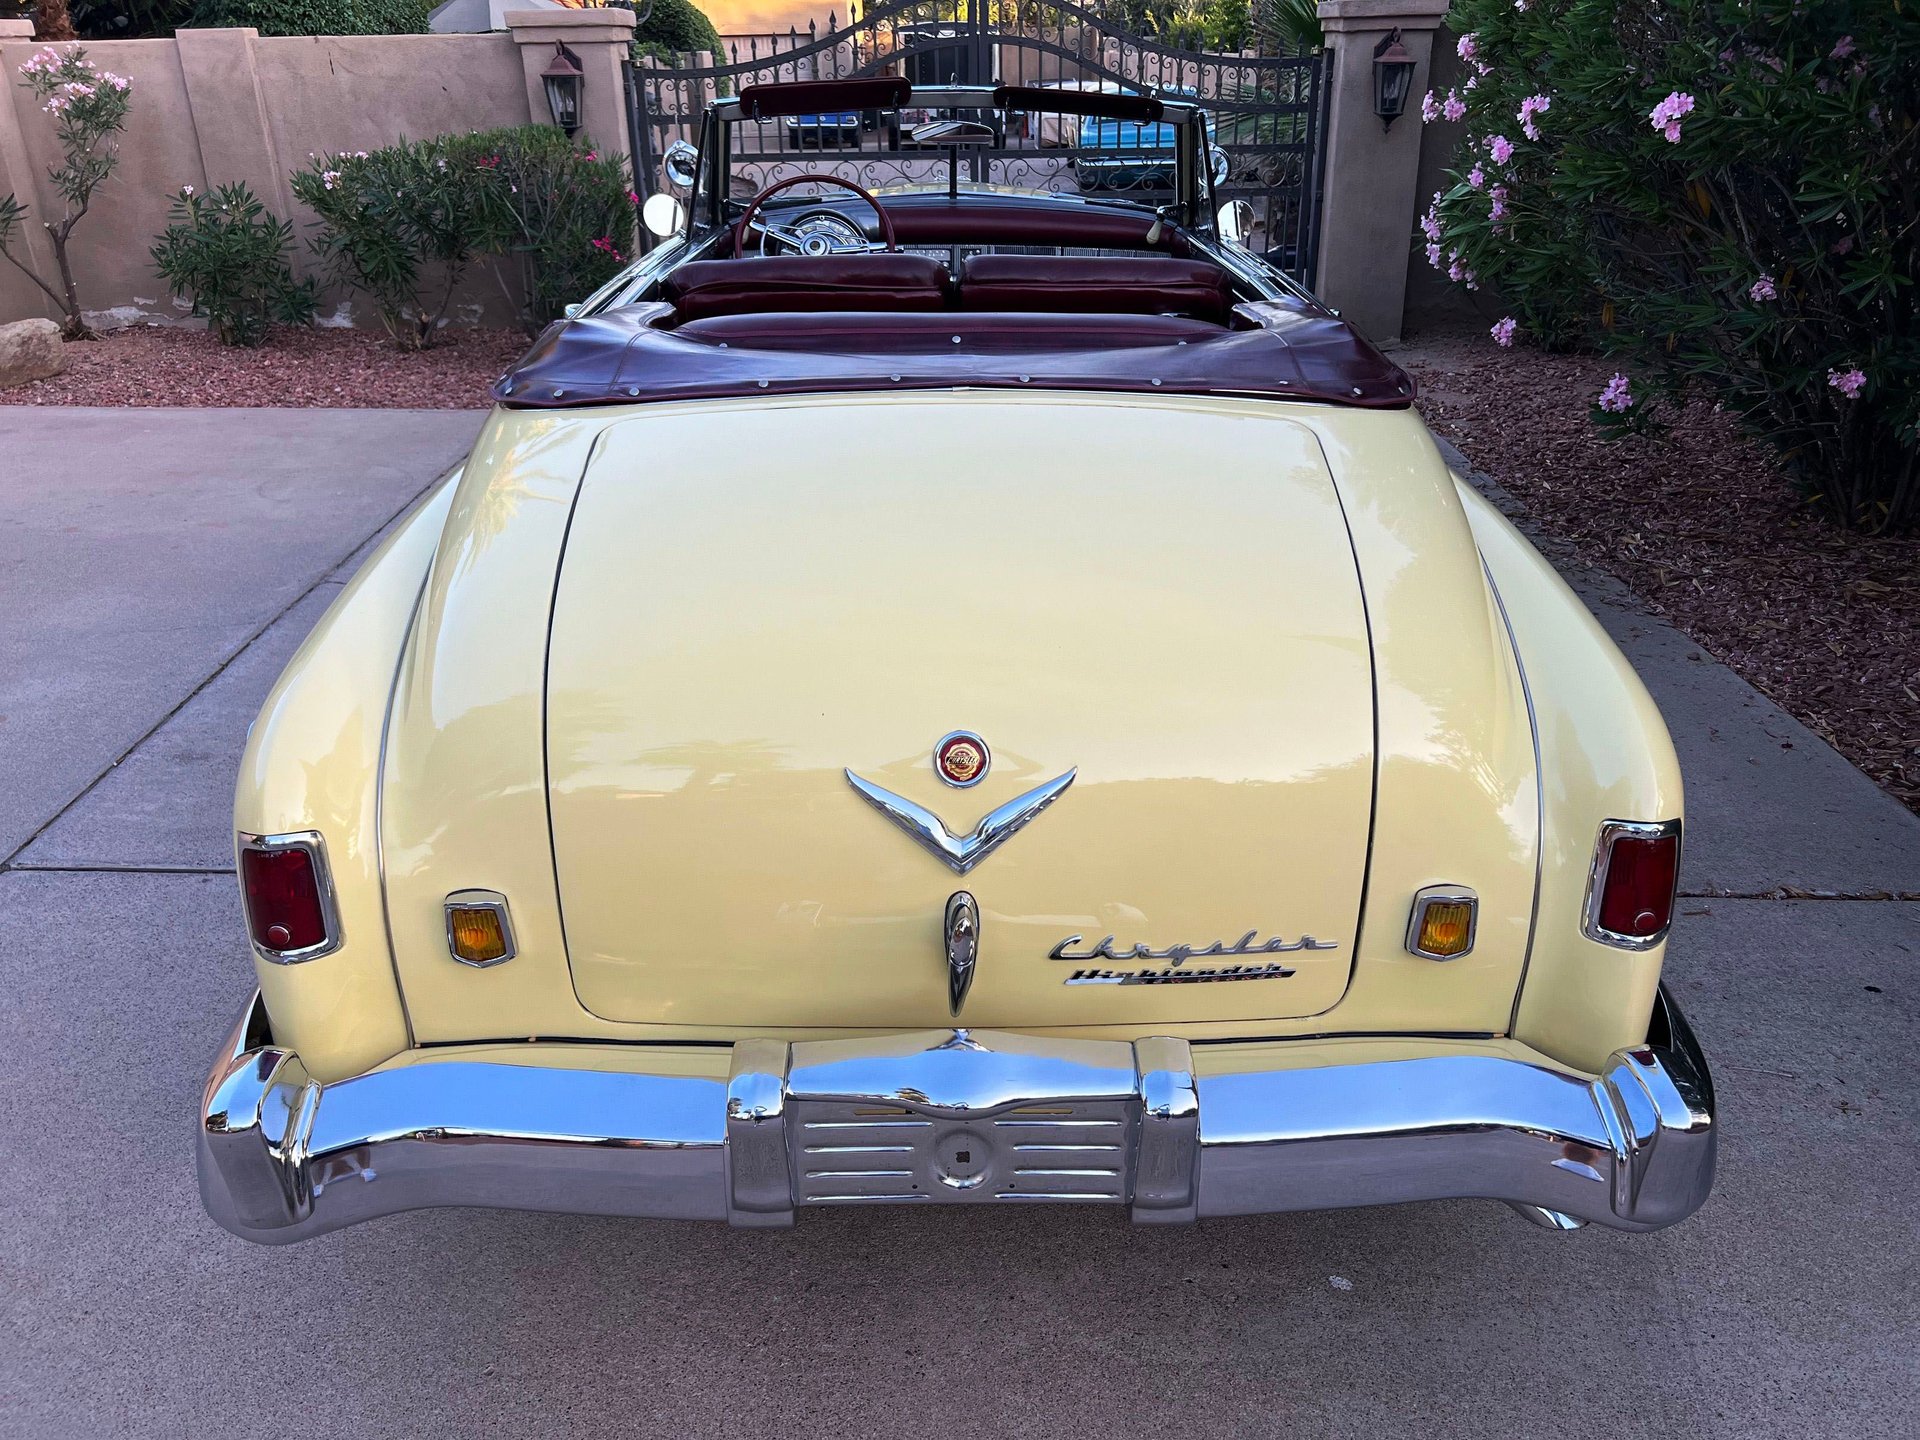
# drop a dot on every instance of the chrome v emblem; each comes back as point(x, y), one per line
point(962, 852)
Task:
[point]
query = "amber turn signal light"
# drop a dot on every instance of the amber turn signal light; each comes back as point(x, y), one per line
point(478, 930)
point(1443, 921)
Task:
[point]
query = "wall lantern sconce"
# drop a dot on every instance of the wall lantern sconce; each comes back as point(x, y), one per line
point(1392, 79)
point(564, 81)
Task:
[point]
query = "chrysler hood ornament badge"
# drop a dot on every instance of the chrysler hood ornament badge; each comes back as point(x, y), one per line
point(963, 946)
point(962, 852)
point(961, 759)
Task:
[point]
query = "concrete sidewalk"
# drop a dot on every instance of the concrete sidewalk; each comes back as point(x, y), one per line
point(144, 549)
point(1789, 1306)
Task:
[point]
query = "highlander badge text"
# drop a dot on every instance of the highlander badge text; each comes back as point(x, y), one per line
point(1177, 955)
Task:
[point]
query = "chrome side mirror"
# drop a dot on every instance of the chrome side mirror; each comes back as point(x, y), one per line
point(1235, 221)
point(681, 165)
point(1221, 166)
point(662, 215)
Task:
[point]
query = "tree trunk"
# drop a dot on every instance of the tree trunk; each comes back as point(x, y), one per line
point(51, 20)
point(75, 327)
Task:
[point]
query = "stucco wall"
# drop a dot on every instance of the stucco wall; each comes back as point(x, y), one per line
point(214, 106)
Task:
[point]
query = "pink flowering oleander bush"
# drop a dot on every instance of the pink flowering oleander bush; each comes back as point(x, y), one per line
point(89, 110)
point(1724, 195)
point(560, 211)
point(404, 224)
point(401, 225)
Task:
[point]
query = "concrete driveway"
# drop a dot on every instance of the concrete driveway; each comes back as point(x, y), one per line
point(156, 568)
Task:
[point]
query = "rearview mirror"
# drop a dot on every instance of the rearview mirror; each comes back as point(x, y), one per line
point(662, 215)
point(681, 164)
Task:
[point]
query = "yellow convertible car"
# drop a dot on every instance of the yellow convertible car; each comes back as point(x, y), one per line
point(948, 696)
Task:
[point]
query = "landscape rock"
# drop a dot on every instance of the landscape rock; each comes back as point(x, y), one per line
point(30, 350)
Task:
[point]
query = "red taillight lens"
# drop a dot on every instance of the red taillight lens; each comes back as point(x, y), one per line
point(284, 910)
point(1636, 897)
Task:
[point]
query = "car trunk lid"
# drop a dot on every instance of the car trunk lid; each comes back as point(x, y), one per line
point(1167, 612)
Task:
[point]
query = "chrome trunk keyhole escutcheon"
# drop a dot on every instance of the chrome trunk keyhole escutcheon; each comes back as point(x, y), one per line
point(963, 945)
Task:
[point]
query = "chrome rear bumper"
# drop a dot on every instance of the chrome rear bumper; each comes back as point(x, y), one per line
point(956, 1117)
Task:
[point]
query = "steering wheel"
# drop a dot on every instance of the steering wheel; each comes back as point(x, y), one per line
point(752, 213)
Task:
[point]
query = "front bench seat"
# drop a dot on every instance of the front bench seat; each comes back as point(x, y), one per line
point(702, 289)
point(1089, 284)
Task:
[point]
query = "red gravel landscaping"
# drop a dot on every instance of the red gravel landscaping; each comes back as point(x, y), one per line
point(1706, 531)
point(299, 368)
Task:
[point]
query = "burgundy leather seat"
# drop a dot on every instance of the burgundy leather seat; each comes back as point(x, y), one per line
point(888, 281)
point(951, 335)
point(1015, 220)
point(1127, 285)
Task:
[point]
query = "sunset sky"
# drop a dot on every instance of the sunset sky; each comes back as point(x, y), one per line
point(741, 17)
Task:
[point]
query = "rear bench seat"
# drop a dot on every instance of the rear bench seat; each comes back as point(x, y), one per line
point(1004, 284)
point(703, 288)
point(1086, 284)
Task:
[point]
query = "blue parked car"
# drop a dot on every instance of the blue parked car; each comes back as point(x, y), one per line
point(1130, 154)
point(841, 128)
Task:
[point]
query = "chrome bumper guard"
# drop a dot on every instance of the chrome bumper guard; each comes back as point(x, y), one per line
point(956, 1117)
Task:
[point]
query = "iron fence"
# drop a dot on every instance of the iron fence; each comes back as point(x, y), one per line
point(1265, 109)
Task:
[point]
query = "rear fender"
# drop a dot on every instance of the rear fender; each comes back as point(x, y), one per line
point(311, 763)
point(1604, 755)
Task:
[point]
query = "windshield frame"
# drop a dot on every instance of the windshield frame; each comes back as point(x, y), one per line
point(712, 205)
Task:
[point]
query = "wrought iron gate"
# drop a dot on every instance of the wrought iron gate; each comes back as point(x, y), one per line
point(1265, 108)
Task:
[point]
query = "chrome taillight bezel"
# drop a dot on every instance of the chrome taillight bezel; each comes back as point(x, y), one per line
point(1610, 831)
point(316, 850)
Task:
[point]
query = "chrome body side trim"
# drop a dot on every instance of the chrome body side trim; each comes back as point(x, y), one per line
point(380, 802)
point(315, 846)
point(953, 1116)
point(1611, 830)
point(1539, 796)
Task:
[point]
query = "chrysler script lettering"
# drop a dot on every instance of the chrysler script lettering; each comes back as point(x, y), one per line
point(1178, 955)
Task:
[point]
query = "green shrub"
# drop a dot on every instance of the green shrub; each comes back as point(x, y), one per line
point(139, 19)
point(1726, 196)
point(403, 225)
point(676, 27)
point(1289, 25)
point(400, 225)
point(225, 252)
point(559, 211)
point(315, 17)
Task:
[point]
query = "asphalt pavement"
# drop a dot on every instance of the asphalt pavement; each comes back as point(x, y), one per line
point(157, 568)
